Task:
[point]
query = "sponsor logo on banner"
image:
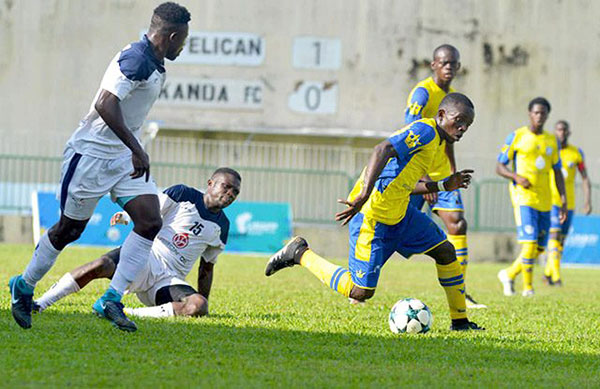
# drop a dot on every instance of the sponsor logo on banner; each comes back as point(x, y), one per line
point(246, 226)
point(180, 240)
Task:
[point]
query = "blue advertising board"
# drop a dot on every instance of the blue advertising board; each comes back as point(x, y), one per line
point(254, 227)
point(582, 245)
point(258, 227)
point(46, 212)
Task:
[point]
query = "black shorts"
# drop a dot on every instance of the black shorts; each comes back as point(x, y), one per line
point(171, 293)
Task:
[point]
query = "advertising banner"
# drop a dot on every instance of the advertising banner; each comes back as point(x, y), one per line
point(582, 245)
point(255, 227)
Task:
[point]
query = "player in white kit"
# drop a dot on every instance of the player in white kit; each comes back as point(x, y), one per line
point(98, 160)
point(194, 226)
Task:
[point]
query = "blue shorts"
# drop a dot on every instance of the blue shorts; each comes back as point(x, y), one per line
point(532, 225)
point(555, 221)
point(372, 243)
point(447, 201)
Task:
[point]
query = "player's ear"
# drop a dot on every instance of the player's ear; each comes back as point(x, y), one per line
point(209, 183)
point(432, 65)
point(458, 65)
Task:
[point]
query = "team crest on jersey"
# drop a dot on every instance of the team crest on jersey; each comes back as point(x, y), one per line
point(549, 150)
point(360, 274)
point(412, 140)
point(181, 240)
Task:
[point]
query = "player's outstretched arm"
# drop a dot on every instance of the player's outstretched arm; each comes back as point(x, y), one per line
point(109, 109)
point(205, 277)
point(381, 154)
point(461, 179)
point(587, 189)
point(560, 186)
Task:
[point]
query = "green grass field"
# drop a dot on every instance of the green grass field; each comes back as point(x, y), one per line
point(291, 330)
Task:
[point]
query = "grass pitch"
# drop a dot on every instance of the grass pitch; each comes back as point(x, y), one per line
point(291, 330)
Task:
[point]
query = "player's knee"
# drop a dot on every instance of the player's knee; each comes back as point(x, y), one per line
point(361, 294)
point(458, 227)
point(104, 267)
point(63, 233)
point(195, 305)
point(443, 254)
point(149, 228)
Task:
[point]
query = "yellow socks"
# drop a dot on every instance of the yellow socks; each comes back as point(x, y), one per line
point(453, 282)
point(514, 269)
point(462, 252)
point(529, 253)
point(336, 277)
point(553, 262)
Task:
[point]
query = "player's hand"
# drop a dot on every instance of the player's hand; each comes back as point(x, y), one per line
point(119, 218)
point(141, 165)
point(524, 182)
point(354, 207)
point(587, 209)
point(562, 214)
point(431, 198)
point(461, 179)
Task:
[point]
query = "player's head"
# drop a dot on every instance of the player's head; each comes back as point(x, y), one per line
point(539, 108)
point(170, 23)
point(562, 131)
point(455, 114)
point(445, 63)
point(223, 187)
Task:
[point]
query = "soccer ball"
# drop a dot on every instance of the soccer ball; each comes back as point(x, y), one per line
point(411, 316)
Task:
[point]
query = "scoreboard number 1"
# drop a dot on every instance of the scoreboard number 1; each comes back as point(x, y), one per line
point(317, 53)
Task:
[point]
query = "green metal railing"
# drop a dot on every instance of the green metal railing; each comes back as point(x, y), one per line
point(311, 193)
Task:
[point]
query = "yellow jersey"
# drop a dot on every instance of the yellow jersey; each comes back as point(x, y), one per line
point(533, 156)
point(423, 102)
point(571, 159)
point(416, 145)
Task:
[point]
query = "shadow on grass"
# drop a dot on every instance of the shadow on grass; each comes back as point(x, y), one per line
point(72, 348)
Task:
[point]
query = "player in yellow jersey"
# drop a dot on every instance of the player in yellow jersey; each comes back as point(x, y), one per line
point(534, 153)
point(381, 220)
point(572, 161)
point(423, 102)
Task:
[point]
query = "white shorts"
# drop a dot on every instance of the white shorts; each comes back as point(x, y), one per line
point(84, 180)
point(156, 275)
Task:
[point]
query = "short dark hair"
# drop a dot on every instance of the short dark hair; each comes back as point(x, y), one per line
point(540, 101)
point(454, 99)
point(226, 170)
point(564, 123)
point(168, 16)
point(445, 47)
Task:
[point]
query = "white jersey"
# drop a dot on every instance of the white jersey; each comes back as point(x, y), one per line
point(189, 231)
point(136, 77)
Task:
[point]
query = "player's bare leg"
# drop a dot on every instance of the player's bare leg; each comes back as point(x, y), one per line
point(77, 279)
point(456, 225)
point(451, 279)
point(67, 230)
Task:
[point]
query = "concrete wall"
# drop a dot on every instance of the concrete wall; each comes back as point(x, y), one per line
point(54, 53)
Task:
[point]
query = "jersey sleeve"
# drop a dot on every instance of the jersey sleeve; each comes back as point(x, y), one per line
point(581, 162)
point(507, 153)
point(211, 254)
point(416, 102)
point(412, 139)
point(125, 72)
point(166, 204)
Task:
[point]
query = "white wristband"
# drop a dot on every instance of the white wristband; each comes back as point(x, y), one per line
point(440, 185)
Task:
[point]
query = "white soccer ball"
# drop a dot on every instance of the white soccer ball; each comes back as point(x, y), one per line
point(410, 316)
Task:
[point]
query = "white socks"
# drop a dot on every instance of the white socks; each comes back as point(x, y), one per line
point(134, 256)
point(64, 287)
point(164, 310)
point(42, 260)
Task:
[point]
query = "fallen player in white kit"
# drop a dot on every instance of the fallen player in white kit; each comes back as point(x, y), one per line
point(194, 225)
